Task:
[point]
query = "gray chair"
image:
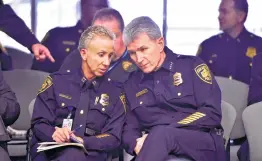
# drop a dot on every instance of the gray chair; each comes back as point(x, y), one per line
point(25, 83)
point(228, 119)
point(235, 93)
point(20, 59)
point(252, 121)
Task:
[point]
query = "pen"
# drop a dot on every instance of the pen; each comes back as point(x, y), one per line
point(76, 128)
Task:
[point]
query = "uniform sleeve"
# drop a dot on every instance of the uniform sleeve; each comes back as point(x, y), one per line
point(208, 99)
point(255, 87)
point(131, 132)
point(15, 27)
point(9, 107)
point(110, 137)
point(132, 129)
point(43, 119)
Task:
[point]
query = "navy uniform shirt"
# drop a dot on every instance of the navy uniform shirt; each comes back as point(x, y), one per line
point(182, 93)
point(230, 57)
point(60, 41)
point(102, 122)
point(15, 27)
point(119, 70)
point(9, 107)
point(255, 88)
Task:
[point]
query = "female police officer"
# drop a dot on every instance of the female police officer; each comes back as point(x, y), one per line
point(81, 98)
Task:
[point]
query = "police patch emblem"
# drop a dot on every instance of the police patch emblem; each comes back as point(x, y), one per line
point(251, 52)
point(203, 73)
point(128, 66)
point(177, 79)
point(104, 100)
point(47, 83)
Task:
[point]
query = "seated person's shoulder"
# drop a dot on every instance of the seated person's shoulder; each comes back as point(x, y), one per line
point(213, 39)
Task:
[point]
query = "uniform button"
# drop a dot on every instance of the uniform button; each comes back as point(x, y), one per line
point(250, 64)
point(230, 77)
point(141, 103)
point(82, 112)
point(80, 31)
point(210, 61)
point(62, 104)
point(157, 82)
point(179, 94)
point(67, 49)
point(109, 79)
point(68, 71)
point(103, 109)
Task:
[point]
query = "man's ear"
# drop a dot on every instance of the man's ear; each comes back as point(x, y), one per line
point(161, 43)
point(83, 53)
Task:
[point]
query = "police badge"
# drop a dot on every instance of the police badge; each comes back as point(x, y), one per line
point(104, 100)
point(177, 79)
point(251, 52)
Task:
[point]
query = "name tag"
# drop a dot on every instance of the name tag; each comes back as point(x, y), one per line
point(68, 123)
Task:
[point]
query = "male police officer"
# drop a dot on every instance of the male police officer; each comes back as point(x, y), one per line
point(230, 53)
point(15, 27)
point(174, 98)
point(121, 65)
point(62, 41)
point(83, 97)
point(9, 112)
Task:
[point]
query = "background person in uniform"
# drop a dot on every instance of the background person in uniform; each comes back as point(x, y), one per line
point(84, 96)
point(230, 53)
point(174, 98)
point(9, 112)
point(121, 65)
point(15, 27)
point(63, 40)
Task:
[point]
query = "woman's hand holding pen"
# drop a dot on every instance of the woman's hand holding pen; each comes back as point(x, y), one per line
point(61, 135)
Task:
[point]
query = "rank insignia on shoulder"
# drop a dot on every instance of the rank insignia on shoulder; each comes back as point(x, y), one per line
point(104, 100)
point(251, 52)
point(47, 83)
point(177, 79)
point(204, 73)
point(128, 66)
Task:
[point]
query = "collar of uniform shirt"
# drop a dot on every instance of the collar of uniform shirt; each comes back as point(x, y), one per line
point(80, 78)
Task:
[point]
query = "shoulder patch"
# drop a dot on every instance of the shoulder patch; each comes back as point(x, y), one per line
point(128, 66)
point(123, 100)
point(204, 73)
point(47, 83)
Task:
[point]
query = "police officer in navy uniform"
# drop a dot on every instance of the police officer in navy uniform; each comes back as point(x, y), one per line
point(174, 99)
point(254, 96)
point(15, 27)
point(121, 65)
point(9, 112)
point(63, 40)
point(83, 97)
point(230, 53)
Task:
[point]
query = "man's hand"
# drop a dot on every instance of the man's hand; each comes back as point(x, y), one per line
point(61, 135)
point(139, 143)
point(41, 52)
